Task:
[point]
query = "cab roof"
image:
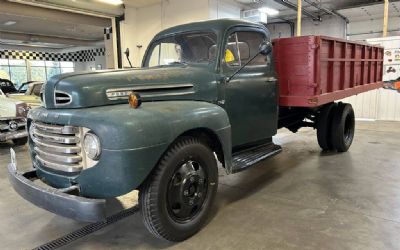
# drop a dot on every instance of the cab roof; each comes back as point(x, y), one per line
point(217, 25)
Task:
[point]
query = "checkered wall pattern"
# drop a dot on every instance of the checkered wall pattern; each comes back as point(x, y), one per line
point(78, 56)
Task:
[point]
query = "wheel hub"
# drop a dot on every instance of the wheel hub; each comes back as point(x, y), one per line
point(186, 191)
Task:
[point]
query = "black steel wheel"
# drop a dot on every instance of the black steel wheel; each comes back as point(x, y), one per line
point(176, 199)
point(343, 126)
point(20, 141)
point(186, 191)
point(324, 120)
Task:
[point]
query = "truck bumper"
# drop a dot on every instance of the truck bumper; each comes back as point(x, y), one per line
point(55, 200)
point(13, 135)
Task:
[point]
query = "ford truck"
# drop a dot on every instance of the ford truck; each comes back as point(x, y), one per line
point(208, 91)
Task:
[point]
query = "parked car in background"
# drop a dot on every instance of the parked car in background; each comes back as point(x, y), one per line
point(13, 120)
point(29, 93)
point(7, 87)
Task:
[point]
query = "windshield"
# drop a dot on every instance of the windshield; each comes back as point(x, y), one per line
point(185, 48)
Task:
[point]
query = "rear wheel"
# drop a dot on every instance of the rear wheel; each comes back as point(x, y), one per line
point(20, 141)
point(175, 201)
point(342, 130)
point(324, 120)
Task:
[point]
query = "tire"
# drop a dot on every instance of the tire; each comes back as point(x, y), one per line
point(324, 121)
point(343, 124)
point(173, 205)
point(20, 141)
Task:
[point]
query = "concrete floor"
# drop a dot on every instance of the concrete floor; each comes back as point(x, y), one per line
point(300, 199)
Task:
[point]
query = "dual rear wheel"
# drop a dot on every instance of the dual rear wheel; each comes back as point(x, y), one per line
point(335, 126)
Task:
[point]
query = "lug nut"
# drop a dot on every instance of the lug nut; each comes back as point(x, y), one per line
point(186, 193)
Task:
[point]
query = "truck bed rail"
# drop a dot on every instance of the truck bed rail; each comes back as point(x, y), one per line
point(314, 70)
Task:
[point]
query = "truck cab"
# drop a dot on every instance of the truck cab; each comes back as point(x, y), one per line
point(206, 92)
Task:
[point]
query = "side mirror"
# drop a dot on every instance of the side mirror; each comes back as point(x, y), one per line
point(265, 48)
point(127, 56)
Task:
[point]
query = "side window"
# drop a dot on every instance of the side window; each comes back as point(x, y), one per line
point(253, 41)
point(245, 45)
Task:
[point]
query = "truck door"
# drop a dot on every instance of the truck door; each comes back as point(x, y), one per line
point(251, 96)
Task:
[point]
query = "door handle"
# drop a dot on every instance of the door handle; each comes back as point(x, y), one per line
point(271, 79)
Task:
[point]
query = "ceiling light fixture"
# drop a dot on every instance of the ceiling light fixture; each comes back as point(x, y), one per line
point(9, 23)
point(113, 2)
point(269, 11)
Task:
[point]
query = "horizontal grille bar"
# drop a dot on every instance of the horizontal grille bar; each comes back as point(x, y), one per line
point(59, 158)
point(58, 166)
point(56, 138)
point(52, 147)
point(65, 130)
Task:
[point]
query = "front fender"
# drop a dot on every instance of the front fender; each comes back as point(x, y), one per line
point(133, 140)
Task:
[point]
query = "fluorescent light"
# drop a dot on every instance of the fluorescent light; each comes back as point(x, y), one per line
point(113, 2)
point(268, 11)
point(9, 23)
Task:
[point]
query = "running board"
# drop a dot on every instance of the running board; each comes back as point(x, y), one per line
point(247, 158)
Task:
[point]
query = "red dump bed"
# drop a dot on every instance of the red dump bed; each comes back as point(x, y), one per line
point(314, 70)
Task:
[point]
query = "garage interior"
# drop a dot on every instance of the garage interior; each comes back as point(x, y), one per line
point(302, 198)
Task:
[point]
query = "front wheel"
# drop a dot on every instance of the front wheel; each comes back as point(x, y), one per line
point(176, 199)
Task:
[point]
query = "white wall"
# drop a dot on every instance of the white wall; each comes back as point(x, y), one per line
point(330, 26)
point(224, 9)
point(373, 28)
point(335, 26)
point(382, 104)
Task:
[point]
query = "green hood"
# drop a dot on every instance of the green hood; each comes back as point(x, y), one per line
point(99, 88)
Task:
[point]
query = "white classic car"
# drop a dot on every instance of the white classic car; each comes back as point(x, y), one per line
point(13, 120)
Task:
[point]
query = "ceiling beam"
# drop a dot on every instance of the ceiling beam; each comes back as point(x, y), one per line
point(34, 38)
point(86, 7)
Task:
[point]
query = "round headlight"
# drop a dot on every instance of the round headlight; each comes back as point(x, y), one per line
point(91, 144)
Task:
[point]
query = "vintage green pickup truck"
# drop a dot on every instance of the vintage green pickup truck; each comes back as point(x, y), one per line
point(206, 92)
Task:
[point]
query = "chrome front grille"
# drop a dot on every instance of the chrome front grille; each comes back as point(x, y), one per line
point(57, 147)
